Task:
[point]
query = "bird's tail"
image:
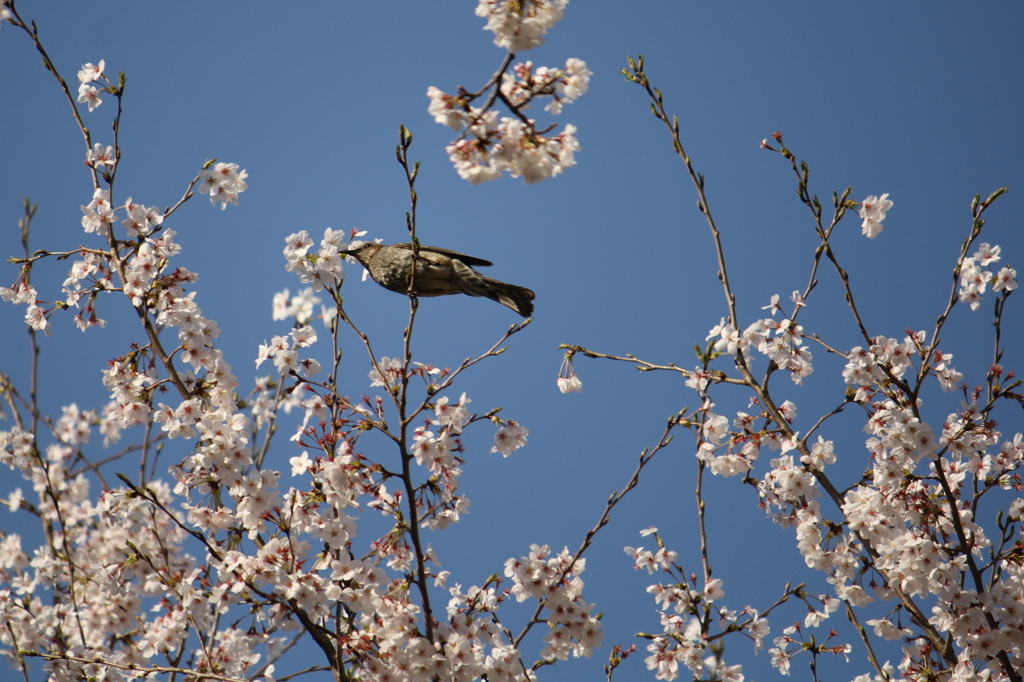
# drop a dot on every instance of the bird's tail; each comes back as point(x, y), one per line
point(519, 299)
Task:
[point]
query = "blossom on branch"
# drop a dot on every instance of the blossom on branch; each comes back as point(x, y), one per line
point(488, 147)
point(520, 24)
point(872, 212)
point(567, 381)
point(224, 182)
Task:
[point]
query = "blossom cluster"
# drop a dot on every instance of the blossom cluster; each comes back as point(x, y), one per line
point(98, 213)
point(554, 581)
point(792, 642)
point(686, 614)
point(321, 268)
point(140, 263)
point(488, 145)
point(974, 278)
point(223, 182)
point(564, 86)
point(23, 293)
point(89, 94)
point(872, 212)
point(781, 341)
point(300, 306)
point(520, 24)
point(283, 350)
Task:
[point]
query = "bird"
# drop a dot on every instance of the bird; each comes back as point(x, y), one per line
point(439, 272)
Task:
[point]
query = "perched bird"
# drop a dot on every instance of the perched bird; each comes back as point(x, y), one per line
point(439, 272)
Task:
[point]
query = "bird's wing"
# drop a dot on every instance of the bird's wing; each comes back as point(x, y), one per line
point(468, 260)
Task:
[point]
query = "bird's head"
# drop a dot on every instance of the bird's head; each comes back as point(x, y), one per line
point(364, 252)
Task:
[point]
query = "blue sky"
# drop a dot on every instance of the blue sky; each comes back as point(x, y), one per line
point(922, 101)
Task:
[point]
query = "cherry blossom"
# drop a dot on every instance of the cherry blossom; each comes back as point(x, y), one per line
point(520, 26)
point(101, 156)
point(872, 212)
point(223, 182)
point(568, 382)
